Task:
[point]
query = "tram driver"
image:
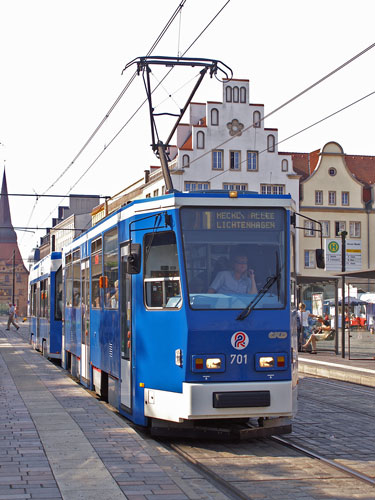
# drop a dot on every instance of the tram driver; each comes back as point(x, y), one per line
point(240, 280)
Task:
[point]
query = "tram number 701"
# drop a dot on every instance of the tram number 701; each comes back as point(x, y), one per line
point(238, 359)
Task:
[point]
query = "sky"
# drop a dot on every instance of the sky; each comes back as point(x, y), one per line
point(61, 68)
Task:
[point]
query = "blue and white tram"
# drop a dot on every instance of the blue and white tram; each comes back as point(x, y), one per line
point(45, 289)
point(145, 328)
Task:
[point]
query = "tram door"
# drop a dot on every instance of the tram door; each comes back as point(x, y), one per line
point(85, 323)
point(126, 332)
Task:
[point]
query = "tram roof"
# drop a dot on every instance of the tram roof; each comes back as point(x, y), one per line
point(146, 206)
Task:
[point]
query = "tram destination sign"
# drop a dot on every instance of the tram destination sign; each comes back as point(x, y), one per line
point(246, 219)
point(353, 257)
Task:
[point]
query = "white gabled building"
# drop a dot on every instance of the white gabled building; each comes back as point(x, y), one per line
point(226, 146)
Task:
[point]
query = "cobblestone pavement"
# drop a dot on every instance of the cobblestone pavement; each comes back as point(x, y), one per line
point(337, 418)
point(57, 441)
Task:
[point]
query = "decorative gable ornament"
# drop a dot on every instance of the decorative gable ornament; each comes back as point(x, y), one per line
point(235, 127)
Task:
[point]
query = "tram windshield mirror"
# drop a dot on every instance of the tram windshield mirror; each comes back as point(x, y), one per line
point(134, 259)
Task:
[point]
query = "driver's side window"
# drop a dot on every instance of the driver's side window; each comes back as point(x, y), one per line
point(162, 273)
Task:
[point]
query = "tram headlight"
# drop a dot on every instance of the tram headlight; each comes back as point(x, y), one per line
point(213, 363)
point(201, 363)
point(266, 362)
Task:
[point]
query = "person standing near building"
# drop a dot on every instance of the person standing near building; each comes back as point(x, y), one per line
point(304, 316)
point(11, 316)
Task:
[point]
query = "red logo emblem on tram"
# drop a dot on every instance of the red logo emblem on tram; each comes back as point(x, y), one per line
point(239, 340)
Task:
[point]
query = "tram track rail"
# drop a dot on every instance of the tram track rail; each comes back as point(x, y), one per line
point(343, 468)
point(234, 492)
point(221, 484)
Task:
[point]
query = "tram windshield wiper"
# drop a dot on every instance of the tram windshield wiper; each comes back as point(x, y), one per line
point(268, 284)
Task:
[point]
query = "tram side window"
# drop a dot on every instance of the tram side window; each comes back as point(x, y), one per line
point(111, 269)
point(68, 281)
point(58, 294)
point(44, 299)
point(162, 273)
point(76, 278)
point(96, 272)
point(34, 289)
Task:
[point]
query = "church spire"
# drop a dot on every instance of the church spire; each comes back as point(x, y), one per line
point(7, 233)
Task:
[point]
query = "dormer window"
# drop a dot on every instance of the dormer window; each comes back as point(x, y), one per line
point(228, 94)
point(214, 116)
point(256, 119)
point(243, 94)
point(200, 140)
point(271, 143)
point(284, 165)
point(185, 161)
point(236, 94)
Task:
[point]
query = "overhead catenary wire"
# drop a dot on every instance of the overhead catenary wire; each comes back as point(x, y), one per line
point(106, 116)
point(300, 131)
point(137, 110)
point(117, 100)
point(289, 101)
point(247, 128)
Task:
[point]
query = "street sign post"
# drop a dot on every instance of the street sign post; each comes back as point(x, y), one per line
point(353, 254)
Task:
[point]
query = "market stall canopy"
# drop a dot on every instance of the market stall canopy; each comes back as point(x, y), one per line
point(351, 301)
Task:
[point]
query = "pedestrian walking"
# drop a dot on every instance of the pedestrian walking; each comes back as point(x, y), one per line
point(11, 316)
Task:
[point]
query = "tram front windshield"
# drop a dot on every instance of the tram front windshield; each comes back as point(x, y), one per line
point(231, 252)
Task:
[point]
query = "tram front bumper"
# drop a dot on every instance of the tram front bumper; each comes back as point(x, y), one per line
point(224, 400)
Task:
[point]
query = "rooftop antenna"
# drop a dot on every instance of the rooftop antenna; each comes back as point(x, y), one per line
point(144, 64)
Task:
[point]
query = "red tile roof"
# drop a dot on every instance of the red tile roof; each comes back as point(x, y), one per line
point(362, 167)
point(188, 144)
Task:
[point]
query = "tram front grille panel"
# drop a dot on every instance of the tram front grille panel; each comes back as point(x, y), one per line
point(241, 399)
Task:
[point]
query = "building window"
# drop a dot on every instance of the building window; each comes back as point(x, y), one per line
point(243, 94)
point(331, 197)
point(256, 119)
point(339, 226)
point(309, 258)
point(354, 229)
point(326, 229)
point(217, 160)
point(318, 197)
point(234, 187)
point(235, 160)
point(332, 171)
point(163, 190)
point(148, 195)
point(284, 165)
point(252, 160)
point(272, 189)
point(345, 198)
point(185, 161)
point(271, 143)
point(196, 186)
point(200, 140)
point(156, 193)
point(214, 116)
point(309, 228)
point(228, 94)
point(236, 94)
